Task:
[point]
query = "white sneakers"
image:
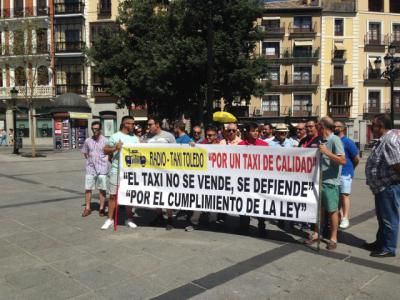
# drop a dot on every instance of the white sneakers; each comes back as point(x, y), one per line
point(344, 223)
point(107, 224)
point(130, 224)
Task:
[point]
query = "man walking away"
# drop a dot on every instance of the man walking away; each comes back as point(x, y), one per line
point(114, 146)
point(332, 160)
point(181, 136)
point(383, 177)
point(97, 167)
point(346, 178)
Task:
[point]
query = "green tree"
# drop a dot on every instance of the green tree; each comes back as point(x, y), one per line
point(161, 53)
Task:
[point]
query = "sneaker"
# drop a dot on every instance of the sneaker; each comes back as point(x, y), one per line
point(130, 224)
point(170, 225)
point(344, 223)
point(107, 224)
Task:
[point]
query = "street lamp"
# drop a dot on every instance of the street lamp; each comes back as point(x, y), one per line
point(391, 73)
point(14, 94)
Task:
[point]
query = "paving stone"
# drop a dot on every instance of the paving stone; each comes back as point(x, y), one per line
point(32, 277)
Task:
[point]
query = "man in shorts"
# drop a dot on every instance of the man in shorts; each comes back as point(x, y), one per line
point(97, 167)
point(346, 178)
point(114, 146)
point(332, 160)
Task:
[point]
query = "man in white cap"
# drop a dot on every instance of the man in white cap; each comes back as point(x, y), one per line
point(281, 137)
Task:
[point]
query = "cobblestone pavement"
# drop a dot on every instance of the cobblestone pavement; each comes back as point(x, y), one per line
point(48, 251)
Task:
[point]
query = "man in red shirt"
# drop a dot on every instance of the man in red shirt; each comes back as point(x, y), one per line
point(250, 136)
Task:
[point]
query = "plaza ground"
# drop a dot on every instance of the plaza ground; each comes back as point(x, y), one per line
point(48, 251)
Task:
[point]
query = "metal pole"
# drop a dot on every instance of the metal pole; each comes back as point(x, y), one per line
point(319, 202)
point(210, 63)
point(15, 148)
point(392, 79)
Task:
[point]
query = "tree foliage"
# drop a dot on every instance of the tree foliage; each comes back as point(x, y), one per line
point(159, 52)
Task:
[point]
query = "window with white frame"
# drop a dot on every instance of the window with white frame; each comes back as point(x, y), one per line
point(374, 33)
point(302, 74)
point(339, 27)
point(302, 104)
point(374, 101)
point(271, 49)
point(270, 104)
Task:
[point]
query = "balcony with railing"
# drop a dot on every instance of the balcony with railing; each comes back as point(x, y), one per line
point(305, 111)
point(10, 51)
point(24, 12)
point(294, 55)
point(302, 31)
point(70, 46)
point(373, 77)
point(71, 88)
point(339, 56)
point(374, 42)
point(339, 111)
point(269, 31)
point(42, 91)
point(395, 39)
point(340, 6)
point(289, 83)
point(380, 109)
point(69, 8)
point(339, 82)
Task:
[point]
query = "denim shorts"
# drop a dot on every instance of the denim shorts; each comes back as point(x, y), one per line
point(345, 184)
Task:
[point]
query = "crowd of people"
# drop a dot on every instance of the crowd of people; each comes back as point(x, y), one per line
point(340, 157)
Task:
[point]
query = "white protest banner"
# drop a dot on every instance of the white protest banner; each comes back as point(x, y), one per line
point(276, 183)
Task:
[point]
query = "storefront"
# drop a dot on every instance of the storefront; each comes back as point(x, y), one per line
point(70, 115)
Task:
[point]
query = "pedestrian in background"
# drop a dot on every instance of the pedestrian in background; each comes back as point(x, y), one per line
point(346, 178)
point(3, 137)
point(383, 177)
point(181, 136)
point(97, 167)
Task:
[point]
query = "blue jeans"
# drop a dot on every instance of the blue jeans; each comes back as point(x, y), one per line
point(387, 205)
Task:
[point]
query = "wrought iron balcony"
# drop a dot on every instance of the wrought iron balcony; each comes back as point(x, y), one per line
point(378, 109)
point(288, 83)
point(21, 12)
point(75, 46)
point(339, 56)
point(339, 111)
point(69, 8)
point(294, 55)
point(307, 31)
point(375, 43)
point(395, 39)
point(269, 31)
point(71, 88)
point(342, 82)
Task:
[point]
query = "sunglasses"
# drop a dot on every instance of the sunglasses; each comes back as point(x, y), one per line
point(298, 129)
point(196, 132)
point(231, 130)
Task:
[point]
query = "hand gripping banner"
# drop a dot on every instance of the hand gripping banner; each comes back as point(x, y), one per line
point(275, 183)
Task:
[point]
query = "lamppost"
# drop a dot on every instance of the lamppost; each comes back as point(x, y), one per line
point(391, 73)
point(14, 94)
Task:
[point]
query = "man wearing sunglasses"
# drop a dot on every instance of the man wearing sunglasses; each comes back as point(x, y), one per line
point(114, 146)
point(97, 167)
point(196, 135)
point(230, 134)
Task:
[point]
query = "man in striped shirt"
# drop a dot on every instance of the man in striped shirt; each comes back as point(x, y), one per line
point(97, 167)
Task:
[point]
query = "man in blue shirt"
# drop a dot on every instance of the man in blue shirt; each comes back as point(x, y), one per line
point(352, 160)
point(180, 134)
